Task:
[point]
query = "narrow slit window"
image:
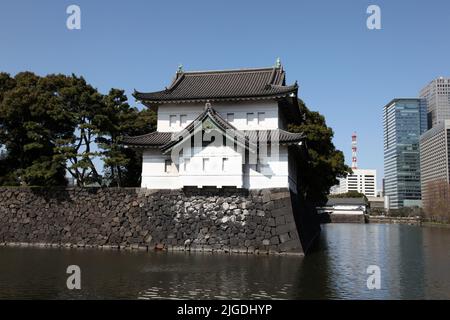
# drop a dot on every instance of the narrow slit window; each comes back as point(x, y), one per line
point(205, 164)
point(172, 120)
point(183, 119)
point(250, 117)
point(186, 164)
point(225, 164)
point(261, 117)
point(167, 166)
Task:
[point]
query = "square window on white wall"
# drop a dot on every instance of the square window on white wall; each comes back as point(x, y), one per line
point(225, 162)
point(205, 164)
point(250, 117)
point(186, 163)
point(167, 166)
point(172, 120)
point(261, 117)
point(183, 119)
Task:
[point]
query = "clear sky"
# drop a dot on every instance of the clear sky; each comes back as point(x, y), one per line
point(345, 71)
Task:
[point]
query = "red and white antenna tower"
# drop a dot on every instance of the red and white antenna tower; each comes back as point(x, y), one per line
point(354, 148)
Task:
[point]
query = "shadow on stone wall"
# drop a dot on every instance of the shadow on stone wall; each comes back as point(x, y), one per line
point(307, 221)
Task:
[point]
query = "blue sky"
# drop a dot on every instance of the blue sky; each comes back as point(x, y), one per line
point(345, 71)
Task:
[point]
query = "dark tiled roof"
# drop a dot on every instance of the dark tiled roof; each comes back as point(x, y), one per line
point(153, 139)
point(242, 84)
point(282, 136)
point(158, 139)
point(165, 140)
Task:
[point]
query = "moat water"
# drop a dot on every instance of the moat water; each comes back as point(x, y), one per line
point(414, 263)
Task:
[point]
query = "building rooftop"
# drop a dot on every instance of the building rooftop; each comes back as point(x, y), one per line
point(435, 129)
point(345, 201)
point(222, 85)
point(402, 99)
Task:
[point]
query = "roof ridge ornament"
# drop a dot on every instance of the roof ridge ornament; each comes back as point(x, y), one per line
point(207, 105)
point(278, 63)
point(180, 68)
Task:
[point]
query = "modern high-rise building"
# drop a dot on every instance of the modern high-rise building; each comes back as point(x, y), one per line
point(437, 97)
point(435, 162)
point(404, 121)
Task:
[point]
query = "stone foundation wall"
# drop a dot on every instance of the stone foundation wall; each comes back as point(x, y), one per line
point(347, 218)
point(223, 221)
point(342, 218)
point(389, 219)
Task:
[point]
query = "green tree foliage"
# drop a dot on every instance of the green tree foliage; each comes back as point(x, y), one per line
point(350, 194)
point(122, 165)
point(6, 178)
point(84, 106)
point(31, 121)
point(56, 124)
point(324, 163)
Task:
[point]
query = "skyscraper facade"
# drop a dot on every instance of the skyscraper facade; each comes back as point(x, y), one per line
point(404, 121)
point(435, 164)
point(437, 97)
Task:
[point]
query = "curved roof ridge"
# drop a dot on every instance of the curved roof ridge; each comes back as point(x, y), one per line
point(213, 85)
point(229, 70)
point(175, 82)
point(141, 135)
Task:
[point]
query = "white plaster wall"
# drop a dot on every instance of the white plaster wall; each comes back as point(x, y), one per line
point(274, 175)
point(153, 171)
point(349, 212)
point(239, 109)
point(214, 174)
point(292, 169)
point(190, 172)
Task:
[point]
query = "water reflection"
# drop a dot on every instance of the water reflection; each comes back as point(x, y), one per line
point(414, 264)
point(436, 245)
point(224, 277)
point(396, 249)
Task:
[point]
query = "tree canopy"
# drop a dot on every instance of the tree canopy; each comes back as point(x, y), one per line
point(122, 165)
point(323, 164)
point(56, 124)
point(350, 194)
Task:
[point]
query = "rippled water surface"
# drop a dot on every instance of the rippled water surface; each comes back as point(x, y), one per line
point(414, 263)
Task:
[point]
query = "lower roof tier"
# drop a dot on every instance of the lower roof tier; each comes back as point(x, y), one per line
point(160, 139)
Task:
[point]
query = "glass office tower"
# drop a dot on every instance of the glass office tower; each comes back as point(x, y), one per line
point(404, 121)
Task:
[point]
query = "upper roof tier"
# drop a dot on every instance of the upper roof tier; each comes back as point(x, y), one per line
point(223, 85)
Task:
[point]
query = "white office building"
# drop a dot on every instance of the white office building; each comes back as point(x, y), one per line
point(362, 180)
